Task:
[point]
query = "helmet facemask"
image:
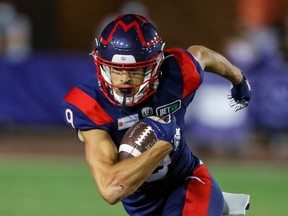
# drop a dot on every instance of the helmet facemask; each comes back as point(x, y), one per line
point(131, 94)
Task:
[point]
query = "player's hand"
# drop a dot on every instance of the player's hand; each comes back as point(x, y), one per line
point(165, 128)
point(240, 95)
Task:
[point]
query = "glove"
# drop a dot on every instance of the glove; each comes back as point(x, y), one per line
point(240, 95)
point(165, 128)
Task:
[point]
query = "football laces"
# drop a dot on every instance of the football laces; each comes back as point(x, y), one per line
point(143, 135)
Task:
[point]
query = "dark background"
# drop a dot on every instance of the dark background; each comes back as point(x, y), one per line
point(71, 24)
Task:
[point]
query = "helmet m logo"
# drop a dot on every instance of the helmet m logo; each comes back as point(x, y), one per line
point(126, 27)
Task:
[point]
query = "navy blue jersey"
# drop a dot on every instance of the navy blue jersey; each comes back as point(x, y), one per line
point(86, 107)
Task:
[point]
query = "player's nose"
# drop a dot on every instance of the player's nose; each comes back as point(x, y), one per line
point(126, 77)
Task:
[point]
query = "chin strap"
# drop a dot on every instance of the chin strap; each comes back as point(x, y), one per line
point(125, 92)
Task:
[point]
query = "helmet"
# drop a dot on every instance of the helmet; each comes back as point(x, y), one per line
point(129, 42)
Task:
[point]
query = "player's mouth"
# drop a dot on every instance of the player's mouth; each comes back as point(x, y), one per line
point(126, 91)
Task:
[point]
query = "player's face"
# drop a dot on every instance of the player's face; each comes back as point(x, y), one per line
point(126, 78)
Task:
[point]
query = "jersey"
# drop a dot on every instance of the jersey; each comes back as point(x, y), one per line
point(86, 107)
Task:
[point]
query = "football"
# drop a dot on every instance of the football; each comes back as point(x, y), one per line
point(136, 140)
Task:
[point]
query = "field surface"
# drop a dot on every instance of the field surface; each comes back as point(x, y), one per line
point(43, 181)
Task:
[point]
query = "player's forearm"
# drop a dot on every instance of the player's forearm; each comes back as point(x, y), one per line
point(222, 67)
point(128, 175)
point(214, 62)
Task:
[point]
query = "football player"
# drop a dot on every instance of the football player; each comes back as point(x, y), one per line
point(136, 78)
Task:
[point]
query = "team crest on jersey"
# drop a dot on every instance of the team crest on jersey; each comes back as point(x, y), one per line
point(127, 121)
point(147, 111)
point(168, 108)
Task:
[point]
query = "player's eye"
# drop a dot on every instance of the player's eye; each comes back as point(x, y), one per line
point(136, 72)
point(131, 72)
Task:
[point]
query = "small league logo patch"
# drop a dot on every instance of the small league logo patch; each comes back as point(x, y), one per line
point(147, 111)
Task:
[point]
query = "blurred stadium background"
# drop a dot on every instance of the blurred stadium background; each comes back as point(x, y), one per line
point(44, 51)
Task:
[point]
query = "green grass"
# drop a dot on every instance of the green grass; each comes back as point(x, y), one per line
point(53, 187)
point(266, 184)
point(50, 188)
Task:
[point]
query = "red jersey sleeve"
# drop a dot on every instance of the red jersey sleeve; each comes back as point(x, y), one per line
point(191, 70)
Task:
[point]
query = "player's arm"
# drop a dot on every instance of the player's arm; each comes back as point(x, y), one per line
point(116, 180)
point(214, 62)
